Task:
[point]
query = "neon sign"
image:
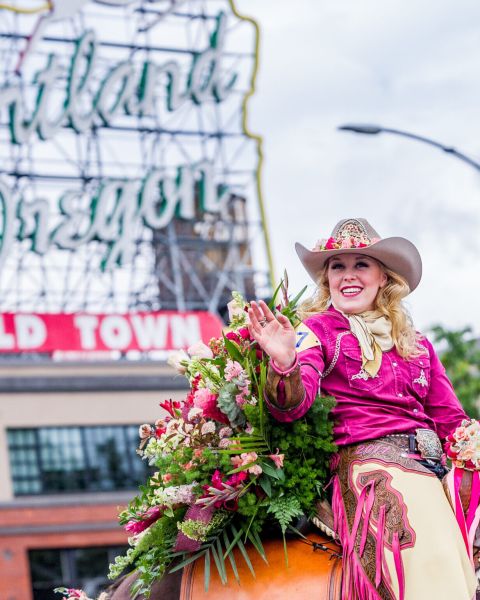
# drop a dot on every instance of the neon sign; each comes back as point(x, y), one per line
point(126, 167)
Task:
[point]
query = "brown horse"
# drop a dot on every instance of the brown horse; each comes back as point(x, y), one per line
point(314, 570)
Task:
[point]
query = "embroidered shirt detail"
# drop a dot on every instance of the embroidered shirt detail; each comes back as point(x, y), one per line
point(421, 380)
point(362, 374)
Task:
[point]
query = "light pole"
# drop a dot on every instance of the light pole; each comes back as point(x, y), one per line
point(376, 129)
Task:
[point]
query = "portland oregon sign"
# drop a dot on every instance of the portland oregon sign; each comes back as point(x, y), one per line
point(128, 179)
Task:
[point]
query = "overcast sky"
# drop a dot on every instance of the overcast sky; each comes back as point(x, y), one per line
point(413, 66)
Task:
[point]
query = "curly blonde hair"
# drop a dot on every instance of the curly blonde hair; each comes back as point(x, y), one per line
point(388, 302)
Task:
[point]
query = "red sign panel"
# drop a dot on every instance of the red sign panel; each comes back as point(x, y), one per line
point(163, 330)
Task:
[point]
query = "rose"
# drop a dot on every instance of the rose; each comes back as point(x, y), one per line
point(204, 399)
point(200, 350)
point(145, 431)
point(177, 360)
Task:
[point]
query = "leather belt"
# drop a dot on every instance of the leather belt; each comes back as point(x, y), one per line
point(424, 442)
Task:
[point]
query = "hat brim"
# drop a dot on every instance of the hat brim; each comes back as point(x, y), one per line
point(396, 253)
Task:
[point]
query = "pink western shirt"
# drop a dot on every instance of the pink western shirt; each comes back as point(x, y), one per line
point(403, 396)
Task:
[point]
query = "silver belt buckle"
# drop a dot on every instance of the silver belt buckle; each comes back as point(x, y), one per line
point(429, 444)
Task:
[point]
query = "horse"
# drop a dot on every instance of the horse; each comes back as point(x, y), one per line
point(311, 568)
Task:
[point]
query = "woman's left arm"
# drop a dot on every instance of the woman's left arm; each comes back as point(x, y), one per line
point(441, 403)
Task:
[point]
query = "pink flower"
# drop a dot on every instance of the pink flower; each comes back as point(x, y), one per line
point(171, 406)
point(232, 336)
point(142, 522)
point(277, 459)
point(244, 333)
point(331, 244)
point(233, 370)
point(204, 399)
point(247, 458)
point(225, 432)
point(224, 443)
point(240, 399)
point(167, 477)
point(208, 428)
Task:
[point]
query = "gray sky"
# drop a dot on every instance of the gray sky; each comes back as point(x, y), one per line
point(412, 66)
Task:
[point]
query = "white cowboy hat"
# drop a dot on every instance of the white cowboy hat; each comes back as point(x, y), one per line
point(357, 236)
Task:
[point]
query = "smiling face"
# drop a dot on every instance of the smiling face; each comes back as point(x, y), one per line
point(354, 281)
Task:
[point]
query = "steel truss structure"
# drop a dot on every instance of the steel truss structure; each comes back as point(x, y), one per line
point(189, 263)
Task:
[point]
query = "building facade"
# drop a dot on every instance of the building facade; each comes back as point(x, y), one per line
point(68, 435)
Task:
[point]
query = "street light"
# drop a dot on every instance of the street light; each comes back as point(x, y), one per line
point(376, 129)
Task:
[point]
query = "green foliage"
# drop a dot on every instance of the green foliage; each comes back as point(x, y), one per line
point(227, 404)
point(239, 472)
point(459, 352)
point(285, 510)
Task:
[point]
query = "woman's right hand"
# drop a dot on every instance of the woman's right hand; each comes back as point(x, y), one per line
point(275, 334)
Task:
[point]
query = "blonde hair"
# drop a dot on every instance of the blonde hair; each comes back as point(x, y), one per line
point(388, 302)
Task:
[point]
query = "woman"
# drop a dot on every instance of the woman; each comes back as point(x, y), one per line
point(394, 404)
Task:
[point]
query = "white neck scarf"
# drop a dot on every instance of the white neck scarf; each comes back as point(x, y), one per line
point(373, 331)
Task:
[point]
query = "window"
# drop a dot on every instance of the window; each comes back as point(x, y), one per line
point(51, 460)
point(84, 568)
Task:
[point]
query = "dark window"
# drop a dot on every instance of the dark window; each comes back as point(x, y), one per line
point(83, 568)
point(53, 460)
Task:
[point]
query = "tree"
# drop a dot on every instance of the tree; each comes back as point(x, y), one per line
point(459, 352)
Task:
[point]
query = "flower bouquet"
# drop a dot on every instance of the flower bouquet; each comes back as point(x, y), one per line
point(224, 470)
point(463, 481)
point(463, 445)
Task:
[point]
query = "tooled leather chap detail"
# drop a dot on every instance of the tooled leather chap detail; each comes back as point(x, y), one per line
point(284, 392)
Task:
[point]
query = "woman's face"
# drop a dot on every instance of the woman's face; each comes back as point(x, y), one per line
point(354, 281)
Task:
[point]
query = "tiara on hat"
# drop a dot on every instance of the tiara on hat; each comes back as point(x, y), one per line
point(350, 234)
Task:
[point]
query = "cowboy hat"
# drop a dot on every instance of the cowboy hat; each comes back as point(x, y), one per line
point(357, 236)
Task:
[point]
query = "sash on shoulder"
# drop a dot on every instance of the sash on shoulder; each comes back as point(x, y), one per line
point(306, 339)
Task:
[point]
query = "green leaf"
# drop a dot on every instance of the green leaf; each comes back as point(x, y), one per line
point(207, 570)
point(233, 350)
point(243, 550)
point(257, 543)
point(219, 564)
point(236, 536)
point(266, 485)
point(187, 561)
point(231, 557)
point(271, 471)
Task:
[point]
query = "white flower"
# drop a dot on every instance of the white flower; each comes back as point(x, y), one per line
point(208, 427)
point(224, 443)
point(145, 431)
point(176, 359)
point(176, 494)
point(194, 413)
point(200, 350)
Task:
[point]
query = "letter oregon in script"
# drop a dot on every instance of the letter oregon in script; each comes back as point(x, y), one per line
point(128, 176)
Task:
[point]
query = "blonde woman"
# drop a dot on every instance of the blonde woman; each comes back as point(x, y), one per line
point(394, 407)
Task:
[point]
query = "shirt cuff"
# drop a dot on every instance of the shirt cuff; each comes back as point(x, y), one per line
point(288, 371)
